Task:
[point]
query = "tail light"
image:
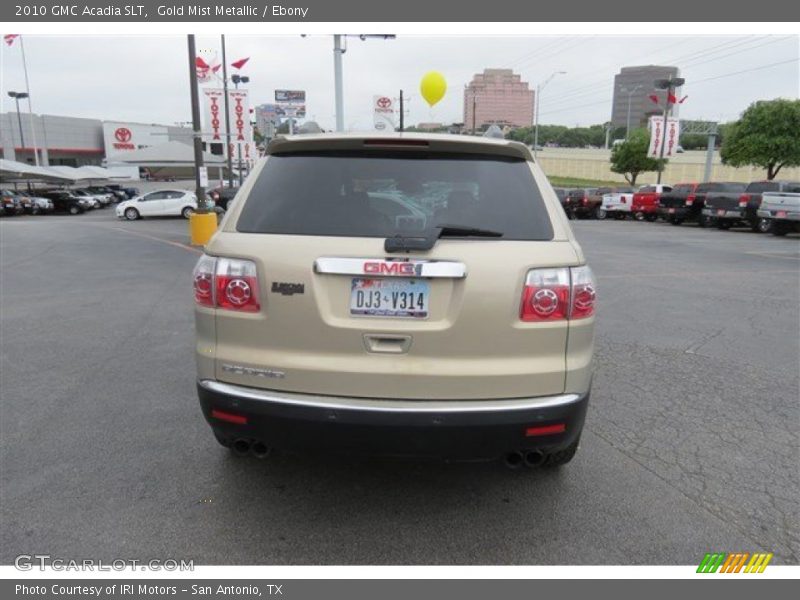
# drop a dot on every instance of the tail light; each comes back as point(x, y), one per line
point(585, 201)
point(743, 200)
point(690, 199)
point(228, 283)
point(558, 294)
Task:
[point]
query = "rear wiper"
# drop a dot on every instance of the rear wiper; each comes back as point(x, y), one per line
point(464, 231)
point(400, 243)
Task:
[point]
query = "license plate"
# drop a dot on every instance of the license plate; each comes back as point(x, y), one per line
point(672, 211)
point(781, 214)
point(721, 212)
point(389, 297)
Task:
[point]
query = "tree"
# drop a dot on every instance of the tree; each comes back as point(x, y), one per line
point(767, 135)
point(629, 158)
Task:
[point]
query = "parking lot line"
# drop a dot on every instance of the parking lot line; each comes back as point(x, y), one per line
point(156, 238)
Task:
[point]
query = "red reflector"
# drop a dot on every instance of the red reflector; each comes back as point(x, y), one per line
point(229, 417)
point(545, 430)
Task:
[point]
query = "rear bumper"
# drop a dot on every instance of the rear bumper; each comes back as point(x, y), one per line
point(779, 215)
point(461, 430)
point(736, 214)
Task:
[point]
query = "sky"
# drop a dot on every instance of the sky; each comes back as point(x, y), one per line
point(145, 78)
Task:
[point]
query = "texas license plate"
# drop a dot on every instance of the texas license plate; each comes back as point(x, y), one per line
point(721, 211)
point(671, 211)
point(386, 297)
point(781, 214)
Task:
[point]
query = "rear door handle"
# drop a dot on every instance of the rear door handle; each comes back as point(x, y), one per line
point(387, 343)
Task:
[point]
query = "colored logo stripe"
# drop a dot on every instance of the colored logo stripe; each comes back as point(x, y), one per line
point(733, 562)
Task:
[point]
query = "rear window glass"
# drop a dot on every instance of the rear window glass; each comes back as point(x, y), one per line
point(763, 186)
point(370, 194)
point(721, 187)
point(683, 187)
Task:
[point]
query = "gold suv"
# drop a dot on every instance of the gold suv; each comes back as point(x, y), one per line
point(400, 294)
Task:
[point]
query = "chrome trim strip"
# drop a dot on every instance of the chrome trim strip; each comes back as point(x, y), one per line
point(388, 405)
point(421, 267)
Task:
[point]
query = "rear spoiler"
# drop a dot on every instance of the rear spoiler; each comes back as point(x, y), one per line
point(459, 144)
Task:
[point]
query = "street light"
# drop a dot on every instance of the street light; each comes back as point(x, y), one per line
point(338, 50)
point(17, 96)
point(539, 89)
point(628, 119)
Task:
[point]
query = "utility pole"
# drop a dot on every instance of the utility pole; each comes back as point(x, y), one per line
point(474, 107)
point(28, 95)
point(537, 100)
point(669, 86)
point(227, 113)
point(712, 136)
point(16, 96)
point(197, 132)
point(628, 119)
point(337, 81)
point(401, 111)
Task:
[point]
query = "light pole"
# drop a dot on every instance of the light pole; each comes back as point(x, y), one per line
point(537, 100)
point(628, 118)
point(17, 96)
point(200, 191)
point(338, 50)
point(237, 79)
point(669, 85)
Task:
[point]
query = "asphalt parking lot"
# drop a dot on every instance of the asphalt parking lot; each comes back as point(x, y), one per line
point(691, 442)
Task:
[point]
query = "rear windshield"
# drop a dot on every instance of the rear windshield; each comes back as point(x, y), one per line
point(683, 187)
point(370, 194)
point(764, 186)
point(721, 187)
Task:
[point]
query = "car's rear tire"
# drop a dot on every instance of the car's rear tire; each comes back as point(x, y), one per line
point(675, 221)
point(600, 213)
point(780, 229)
point(131, 214)
point(561, 457)
point(651, 218)
point(764, 226)
point(187, 212)
point(74, 210)
point(639, 216)
point(704, 221)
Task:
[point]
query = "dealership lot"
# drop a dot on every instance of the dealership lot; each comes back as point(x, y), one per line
point(691, 442)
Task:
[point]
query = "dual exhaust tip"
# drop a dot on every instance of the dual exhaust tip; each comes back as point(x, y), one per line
point(243, 447)
point(530, 459)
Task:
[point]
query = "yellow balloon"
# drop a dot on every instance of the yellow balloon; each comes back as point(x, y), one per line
point(433, 87)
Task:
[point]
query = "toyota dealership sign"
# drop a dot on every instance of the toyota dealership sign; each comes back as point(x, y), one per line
point(120, 137)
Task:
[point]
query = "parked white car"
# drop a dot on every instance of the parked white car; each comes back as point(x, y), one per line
point(160, 203)
point(617, 204)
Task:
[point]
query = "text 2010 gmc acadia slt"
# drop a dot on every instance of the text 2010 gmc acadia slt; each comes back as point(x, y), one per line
point(402, 294)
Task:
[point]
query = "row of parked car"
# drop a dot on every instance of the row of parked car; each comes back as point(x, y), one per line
point(72, 201)
point(764, 206)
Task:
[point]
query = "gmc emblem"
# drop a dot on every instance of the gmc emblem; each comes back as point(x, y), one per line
point(399, 269)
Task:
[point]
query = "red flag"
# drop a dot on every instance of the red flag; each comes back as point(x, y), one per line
point(672, 99)
point(10, 37)
point(238, 64)
point(200, 63)
point(654, 98)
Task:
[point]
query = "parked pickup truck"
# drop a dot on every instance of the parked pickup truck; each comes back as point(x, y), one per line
point(686, 201)
point(732, 208)
point(645, 201)
point(617, 204)
point(782, 210)
point(578, 202)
